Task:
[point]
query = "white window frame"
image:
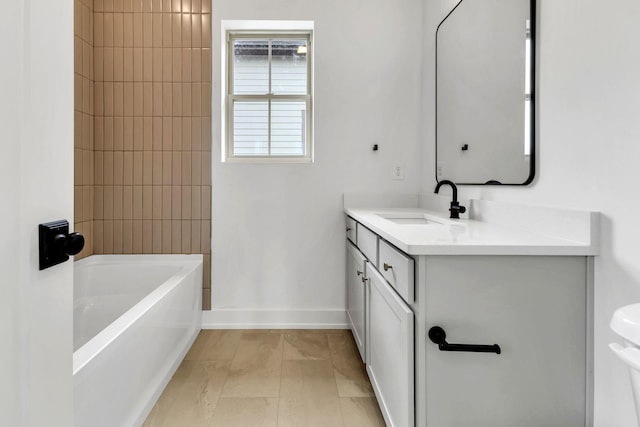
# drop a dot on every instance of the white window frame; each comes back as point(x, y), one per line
point(233, 30)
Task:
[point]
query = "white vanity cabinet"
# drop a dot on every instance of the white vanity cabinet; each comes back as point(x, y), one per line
point(390, 344)
point(356, 296)
point(529, 290)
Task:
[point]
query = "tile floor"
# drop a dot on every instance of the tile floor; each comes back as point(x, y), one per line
point(251, 378)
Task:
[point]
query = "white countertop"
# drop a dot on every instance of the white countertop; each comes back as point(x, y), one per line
point(465, 236)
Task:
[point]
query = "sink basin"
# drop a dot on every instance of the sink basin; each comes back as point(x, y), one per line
point(411, 218)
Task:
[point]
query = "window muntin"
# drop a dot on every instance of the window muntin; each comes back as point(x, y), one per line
point(269, 96)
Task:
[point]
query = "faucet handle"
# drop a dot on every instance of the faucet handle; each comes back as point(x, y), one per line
point(456, 209)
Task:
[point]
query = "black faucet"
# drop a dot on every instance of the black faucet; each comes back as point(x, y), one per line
point(455, 208)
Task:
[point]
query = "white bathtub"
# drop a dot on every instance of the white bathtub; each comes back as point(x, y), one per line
point(135, 317)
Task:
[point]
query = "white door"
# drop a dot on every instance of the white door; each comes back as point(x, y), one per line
point(36, 186)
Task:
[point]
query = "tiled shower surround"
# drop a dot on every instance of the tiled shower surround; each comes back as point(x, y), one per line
point(83, 122)
point(152, 129)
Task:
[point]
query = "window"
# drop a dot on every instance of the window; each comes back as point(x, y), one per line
point(268, 96)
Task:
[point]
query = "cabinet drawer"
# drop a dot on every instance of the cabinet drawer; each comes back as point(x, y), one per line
point(397, 268)
point(368, 243)
point(351, 229)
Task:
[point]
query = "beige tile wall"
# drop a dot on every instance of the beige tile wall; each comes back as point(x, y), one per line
point(83, 122)
point(152, 128)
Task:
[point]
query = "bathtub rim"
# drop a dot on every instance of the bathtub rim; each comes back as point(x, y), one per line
point(189, 263)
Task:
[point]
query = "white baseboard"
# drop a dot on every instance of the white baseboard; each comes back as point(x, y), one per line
point(274, 319)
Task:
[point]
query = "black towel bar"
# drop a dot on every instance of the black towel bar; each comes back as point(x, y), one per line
point(438, 336)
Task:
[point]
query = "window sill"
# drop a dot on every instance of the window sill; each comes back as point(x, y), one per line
point(268, 160)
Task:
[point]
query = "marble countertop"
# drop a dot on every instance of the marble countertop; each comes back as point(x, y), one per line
point(465, 236)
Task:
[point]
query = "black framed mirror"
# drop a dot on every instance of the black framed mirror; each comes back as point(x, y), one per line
point(485, 93)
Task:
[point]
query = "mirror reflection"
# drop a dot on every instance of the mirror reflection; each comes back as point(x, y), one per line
point(485, 93)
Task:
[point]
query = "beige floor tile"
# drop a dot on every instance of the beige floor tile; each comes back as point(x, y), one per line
point(308, 395)
point(361, 412)
point(306, 345)
point(343, 346)
point(300, 378)
point(350, 373)
point(215, 345)
point(191, 396)
point(337, 331)
point(352, 380)
point(154, 418)
point(256, 367)
point(245, 412)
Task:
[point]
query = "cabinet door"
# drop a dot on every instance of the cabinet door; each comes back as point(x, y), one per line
point(356, 296)
point(534, 308)
point(390, 352)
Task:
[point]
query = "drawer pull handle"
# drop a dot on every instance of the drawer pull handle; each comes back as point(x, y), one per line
point(360, 273)
point(387, 267)
point(348, 229)
point(438, 336)
point(364, 279)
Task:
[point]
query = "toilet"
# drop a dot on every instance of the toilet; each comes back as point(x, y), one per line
point(626, 323)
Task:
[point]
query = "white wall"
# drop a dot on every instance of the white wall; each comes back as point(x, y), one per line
point(278, 229)
point(589, 153)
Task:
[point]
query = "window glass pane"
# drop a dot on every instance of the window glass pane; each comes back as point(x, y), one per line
point(250, 128)
point(250, 67)
point(288, 128)
point(289, 67)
